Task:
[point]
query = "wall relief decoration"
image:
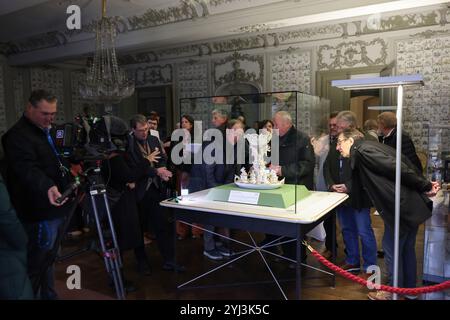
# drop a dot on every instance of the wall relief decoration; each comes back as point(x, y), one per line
point(143, 57)
point(352, 54)
point(239, 67)
point(399, 22)
point(151, 75)
point(184, 11)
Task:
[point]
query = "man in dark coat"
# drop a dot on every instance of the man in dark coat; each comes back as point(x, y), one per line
point(36, 176)
point(150, 190)
point(387, 122)
point(296, 165)
point(14, 281)
point(354, 213)
point(374, 164)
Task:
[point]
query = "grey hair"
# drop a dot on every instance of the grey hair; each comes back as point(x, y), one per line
point(347, 116)
point(220, 112)
point(285, 116)
point(352, 133)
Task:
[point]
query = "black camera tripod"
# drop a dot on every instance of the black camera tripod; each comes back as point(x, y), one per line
point(96, 190)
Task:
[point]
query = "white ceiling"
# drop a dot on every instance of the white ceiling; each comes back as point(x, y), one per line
point(201, 20)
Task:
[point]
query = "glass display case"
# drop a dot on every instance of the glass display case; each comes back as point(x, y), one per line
point(436, 265)
point(276, 177)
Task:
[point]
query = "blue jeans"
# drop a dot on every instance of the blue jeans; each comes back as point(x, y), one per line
point(41, 239)
point(356, 224)
point(407, 263)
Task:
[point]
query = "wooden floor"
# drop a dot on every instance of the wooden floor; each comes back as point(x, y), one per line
point(162, 284)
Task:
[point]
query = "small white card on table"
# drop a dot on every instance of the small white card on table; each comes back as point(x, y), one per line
point(243, 197)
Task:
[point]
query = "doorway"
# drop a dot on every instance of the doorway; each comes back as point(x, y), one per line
point(157, 99)
point(357, 101)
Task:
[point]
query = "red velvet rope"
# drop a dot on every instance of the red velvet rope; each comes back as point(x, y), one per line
point(404, 291)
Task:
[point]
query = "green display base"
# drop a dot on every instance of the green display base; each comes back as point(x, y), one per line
point(282, 197)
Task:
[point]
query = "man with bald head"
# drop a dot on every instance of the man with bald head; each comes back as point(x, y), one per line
point(296, 163)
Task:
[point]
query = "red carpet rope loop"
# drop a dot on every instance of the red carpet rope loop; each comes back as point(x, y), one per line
point(404, 291)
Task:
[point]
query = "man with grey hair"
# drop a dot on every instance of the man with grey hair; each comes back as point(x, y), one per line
point(219, 118)
point(354, 214)
point(296, 164)
point(373, 165)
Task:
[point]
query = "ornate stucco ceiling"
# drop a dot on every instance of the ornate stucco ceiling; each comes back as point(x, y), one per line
point(34, 31)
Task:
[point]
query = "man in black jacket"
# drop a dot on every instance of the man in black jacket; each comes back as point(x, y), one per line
point(374, 165)
point(296, 165)
point(387, 122)
point(36, 176)
point(354, 214)
point(150, 190)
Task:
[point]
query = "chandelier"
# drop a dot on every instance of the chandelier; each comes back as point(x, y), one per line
point(105, 82)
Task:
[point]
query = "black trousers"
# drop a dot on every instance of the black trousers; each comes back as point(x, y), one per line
point(328, 225)
point(156, 216)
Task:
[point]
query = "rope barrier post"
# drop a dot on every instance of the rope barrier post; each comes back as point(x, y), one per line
point(398, 183)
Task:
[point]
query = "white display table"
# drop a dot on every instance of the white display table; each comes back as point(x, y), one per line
point(287, 222)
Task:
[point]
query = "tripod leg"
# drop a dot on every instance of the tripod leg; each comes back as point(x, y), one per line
point(100, 233)
point(111, 225)
point(111, 256)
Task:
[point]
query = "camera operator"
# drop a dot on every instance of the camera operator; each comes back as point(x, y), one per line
point(151, 190)
point(36, 174)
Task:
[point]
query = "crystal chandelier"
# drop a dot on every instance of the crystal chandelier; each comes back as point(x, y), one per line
point(105, 82)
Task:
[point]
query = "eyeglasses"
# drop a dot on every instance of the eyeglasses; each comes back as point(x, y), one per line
point(340, 141)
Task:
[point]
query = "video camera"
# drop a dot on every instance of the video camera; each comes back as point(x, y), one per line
point(91, 138)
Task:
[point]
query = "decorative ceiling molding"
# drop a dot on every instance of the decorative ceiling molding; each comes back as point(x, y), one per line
point(264, 40)
point(334, 31)
point(186, 10)
point(350, 54)
point(257, 28)
point(430, 34)
point(400, 22)
point(47, 40)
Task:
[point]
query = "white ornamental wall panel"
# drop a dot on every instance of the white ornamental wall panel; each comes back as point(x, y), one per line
point(352, 54)
point(193, 82)
point(430, 104)
point(291, 71)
